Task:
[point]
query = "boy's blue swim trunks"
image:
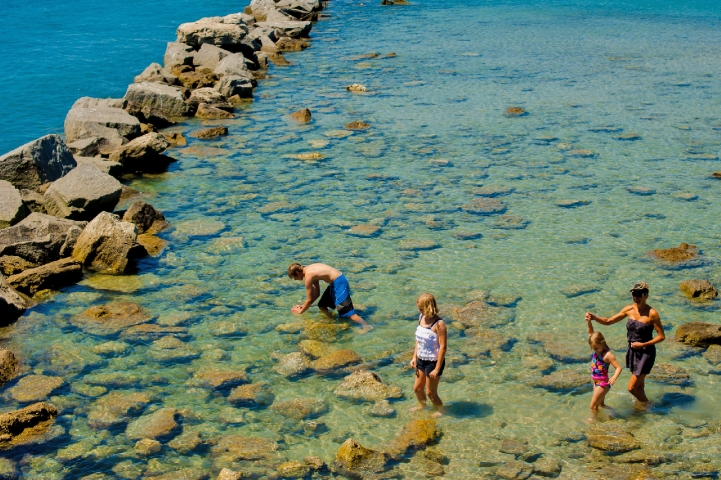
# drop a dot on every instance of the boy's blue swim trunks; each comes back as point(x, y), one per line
point(337, 297)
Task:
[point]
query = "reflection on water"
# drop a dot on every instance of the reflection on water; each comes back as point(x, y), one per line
point(518, 225)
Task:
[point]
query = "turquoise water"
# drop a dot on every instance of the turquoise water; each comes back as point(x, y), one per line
point(581, 210)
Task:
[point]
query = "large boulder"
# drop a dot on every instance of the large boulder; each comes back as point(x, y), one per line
point(354, 460)
point(211, 30)
point(699, 334)
point(143, 153)
point(335, 360)
point(109, 127)
point(288, 28)
point(612, 438)
point(154, 73)
point(110, 319)
point(146, 218)
point(210, 97)
point(274, 15)
point(114, 408)
point(231, 85)
point(698, 290)
point(416, 434)
point(106, 244)
point(35, 163)
point(209, 112)
point(178, 54)
point(209, 56)
point(300, 408)
point(260, 8)
point(158, 424)
point(34, 388)
point(12, 207)
point(300, 9)
point(235, 64)
point(113, 169)
point(366, 386)
point(91, 102)
point(53, 276)
point(40, 238)
point(151, 99)
point(26, 425)
point(82, 194)
point(8, 366)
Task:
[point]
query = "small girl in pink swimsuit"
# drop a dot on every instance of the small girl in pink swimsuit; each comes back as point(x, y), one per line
point(600, 359)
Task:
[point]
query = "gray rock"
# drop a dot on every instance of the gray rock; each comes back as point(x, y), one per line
point(154, 73)
point(178, 54)
point(713, 354)
point(228, 474)
point(106, 244)
point(274, 15)
point(87, 147)
point(231, 85)
point(12, 207)
point(612, 438)
point(267, 45)
point(366, 386)
point(143, 153)
point(293, 364)
point(90, 102)
point(12, 305)
point(8, 366)
point(514, 470)
point(209, 112)
point(111, 126)
point(211, 97)
point(697, 334)
point(698, 290)
point(82, 194)
point(288, 29)
point(33, 200)
point(209, 56)
point(260, 8)
point(259, 32)
point(239, 19)
point(113, 169)
point(26, 425)
point(40, 238)
point(235, 64)
point(155, 98)
point(300, 9)
point(35, 163)
point(145, 217)
point(154, 425)
point(8, 469)
point(211, 30)
point(547, 467)
point(53, 276)
point(33, 388)
point(382, 409)
point(563, 381)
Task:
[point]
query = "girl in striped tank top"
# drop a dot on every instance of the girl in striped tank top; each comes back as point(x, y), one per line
point(429, 354)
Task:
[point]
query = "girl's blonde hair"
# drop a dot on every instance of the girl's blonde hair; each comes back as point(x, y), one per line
point(427, 305)
point(596, 339)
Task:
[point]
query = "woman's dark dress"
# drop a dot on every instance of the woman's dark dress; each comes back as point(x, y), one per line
point(640, 360)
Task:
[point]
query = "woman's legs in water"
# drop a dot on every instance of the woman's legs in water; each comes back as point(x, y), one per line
point(599, 395)
point(433, 395)
point(419, 387)
point(636, 387)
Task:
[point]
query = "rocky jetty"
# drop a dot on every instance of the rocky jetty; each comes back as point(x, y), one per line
point(36, 163)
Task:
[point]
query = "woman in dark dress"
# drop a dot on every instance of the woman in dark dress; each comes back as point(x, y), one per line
point(641, 353)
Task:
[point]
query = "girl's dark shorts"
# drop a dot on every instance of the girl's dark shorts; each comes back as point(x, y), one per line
point(427, 366)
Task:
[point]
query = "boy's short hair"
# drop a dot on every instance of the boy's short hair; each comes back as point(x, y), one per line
point(294, 269)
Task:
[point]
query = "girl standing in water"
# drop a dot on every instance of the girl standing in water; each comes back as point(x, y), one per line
point(641, 353)
point(600, 359)
point(429, 354)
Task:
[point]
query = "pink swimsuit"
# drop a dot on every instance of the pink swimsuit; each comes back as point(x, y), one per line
point(599, 370)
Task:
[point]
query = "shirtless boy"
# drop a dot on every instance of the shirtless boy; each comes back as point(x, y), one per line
point(335, 296)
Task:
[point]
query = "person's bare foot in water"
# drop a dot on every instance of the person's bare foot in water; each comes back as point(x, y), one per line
point(367, 328)
point(440, 411)
point(417, 408)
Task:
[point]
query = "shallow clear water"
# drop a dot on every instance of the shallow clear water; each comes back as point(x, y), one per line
point(585, 74)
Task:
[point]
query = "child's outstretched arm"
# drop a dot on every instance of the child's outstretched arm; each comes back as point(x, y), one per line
point(589, 323)
point(611, 358)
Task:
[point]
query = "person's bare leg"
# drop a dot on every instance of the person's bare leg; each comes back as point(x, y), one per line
point(358, 319)
point(433, 395)
point(599, 395)
point(326, 312)
point(636, 386)
point(419, 387)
